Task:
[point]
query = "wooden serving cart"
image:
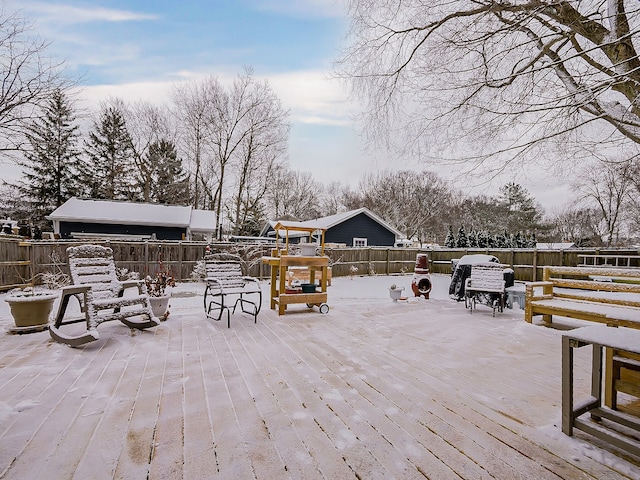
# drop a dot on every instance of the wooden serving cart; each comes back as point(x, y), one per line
point(280, 261)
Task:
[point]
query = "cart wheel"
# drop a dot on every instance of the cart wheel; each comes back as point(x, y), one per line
point(309, 305)
point(324, 308)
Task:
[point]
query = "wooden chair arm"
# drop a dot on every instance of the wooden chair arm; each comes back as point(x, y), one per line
point(140, 284)
point(529, 292)
point(75, 289)
point(131, 283)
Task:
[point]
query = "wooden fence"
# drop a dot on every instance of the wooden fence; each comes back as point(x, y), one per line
point(22, 262)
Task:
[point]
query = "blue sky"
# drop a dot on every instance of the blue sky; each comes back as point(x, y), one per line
point(138, 49)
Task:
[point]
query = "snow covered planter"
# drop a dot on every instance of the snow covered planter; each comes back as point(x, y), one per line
point(158, 295)
point(31, 311)
point(395, 292)
point(160, 306)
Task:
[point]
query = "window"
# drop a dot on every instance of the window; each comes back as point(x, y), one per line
point(359, 242)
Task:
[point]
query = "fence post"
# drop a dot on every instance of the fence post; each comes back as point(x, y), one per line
point(387, 263)
point(534, 276)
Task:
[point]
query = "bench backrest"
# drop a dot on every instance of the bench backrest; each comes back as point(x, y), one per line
point(94, 265)
point(487, 277)
point(225, 268)
point(604, 285)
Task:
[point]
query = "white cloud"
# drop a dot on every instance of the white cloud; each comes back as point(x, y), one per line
point(59, 13)
point(313, 98)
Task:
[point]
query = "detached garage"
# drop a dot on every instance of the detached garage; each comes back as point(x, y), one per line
point(78, 218)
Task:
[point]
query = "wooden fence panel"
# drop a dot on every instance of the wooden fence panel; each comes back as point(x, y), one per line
point(15, 264)
point(22, 260)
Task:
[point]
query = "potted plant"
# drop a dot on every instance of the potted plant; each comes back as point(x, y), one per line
point(30, 309)
point(395, 292)
point(157, 289)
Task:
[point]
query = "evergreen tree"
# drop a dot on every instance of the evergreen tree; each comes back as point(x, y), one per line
point(169, 182)
point(450, 241)
point(50, 165)
point(254, 219)
point(519, 208)
point(462, 240)
point(519, 241)
point(108, 173)
point(473, 239)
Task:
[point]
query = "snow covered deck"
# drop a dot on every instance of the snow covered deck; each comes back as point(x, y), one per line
point(373, 389)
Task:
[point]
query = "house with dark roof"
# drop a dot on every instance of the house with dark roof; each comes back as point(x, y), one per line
point(78, 218)
point(355, 228)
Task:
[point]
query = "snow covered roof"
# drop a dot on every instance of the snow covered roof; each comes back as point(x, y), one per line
point(326, 223)
point(203, 221)
point(131, 213)
point(555, 246)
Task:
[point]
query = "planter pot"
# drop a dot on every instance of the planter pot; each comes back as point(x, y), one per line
point(160, 306)
point(31, 312)
point(308, 287)
point(396, 293)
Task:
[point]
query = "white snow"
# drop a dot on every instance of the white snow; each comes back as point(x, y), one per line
point(472, 358)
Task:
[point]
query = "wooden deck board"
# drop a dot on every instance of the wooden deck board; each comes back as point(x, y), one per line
point(366, 391)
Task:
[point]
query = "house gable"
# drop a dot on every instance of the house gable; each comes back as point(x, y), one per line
point(360, 226)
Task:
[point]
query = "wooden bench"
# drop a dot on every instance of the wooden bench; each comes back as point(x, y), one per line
point(571, 292)
point(485, 285)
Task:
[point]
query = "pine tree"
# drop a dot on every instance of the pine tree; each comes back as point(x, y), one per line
point(462, 240)
point(450, 241)
point(473, 239)
point(50, 166)
point(169, 182)
point(107, 173)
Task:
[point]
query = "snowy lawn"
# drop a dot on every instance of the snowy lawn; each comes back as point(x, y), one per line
point(373, 389)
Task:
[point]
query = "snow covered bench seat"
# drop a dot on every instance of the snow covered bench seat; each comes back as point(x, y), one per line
point(228, 286)
point(571, 292)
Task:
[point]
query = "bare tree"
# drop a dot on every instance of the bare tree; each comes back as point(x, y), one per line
point(147, 124)
point(262, 149)
point(293, 193)
point(29, 78)
point(605, 186)
point(576, 224)
point(192, 102)
point(505, 75)
point(413, 202)
point(249, 112)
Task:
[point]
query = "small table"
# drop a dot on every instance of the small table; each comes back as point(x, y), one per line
point(515, 293)
point(599, 336)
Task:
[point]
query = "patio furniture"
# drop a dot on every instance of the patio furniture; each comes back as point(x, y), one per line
point(571, 292)
point(228, 286)
point(486, 285)
point(618, 425)
point(515, 294)
point(100, 295)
